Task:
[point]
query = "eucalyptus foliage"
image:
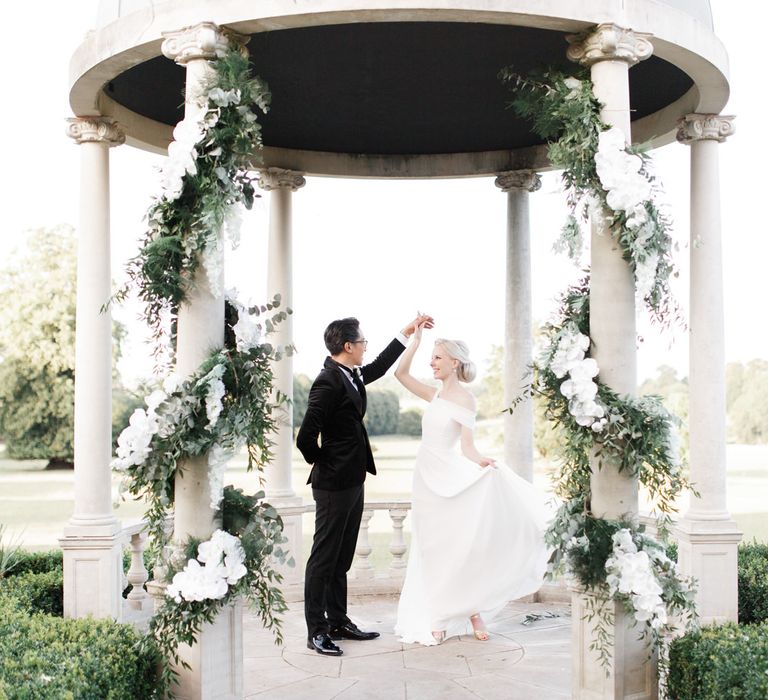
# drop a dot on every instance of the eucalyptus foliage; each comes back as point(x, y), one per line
point(179, 229)
point(564, 111)
point(229, 401)
point(614, 560)
point(260, 531)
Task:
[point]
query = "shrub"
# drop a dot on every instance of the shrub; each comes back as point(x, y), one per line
point(726, 662)
point(36, 562)
point(45, 657)
point(753, 582)
point(409, 422)
point(43, 592)
point(382, 411)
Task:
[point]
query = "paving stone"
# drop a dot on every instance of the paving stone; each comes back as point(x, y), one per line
point(491, 686)
point(314, 688)
point(361, 666)
point(269, 673)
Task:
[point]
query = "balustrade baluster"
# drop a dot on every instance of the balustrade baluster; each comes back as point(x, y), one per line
point(397, 546)
point(362, 565)
point(137, 573)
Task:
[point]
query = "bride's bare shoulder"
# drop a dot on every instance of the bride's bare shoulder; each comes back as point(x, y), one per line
point(464, 398)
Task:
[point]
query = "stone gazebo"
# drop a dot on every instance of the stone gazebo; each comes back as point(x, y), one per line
point(406, 89)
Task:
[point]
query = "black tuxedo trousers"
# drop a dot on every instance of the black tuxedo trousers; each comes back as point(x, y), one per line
point(333, 439)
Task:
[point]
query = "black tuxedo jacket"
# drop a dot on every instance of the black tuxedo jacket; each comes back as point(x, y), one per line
point(335, 411)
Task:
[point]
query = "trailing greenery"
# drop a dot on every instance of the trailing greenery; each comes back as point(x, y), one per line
point(613, 560)
point(195, 208)
point(259, 528)
point(753, 582)
point(563, 110)
point(50, 658)
point(228, 402)
point(184, 429)
point(722, 662)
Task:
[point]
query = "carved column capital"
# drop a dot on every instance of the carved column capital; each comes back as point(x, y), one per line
point(703, 127)
point(201, 41)
point(274, 178)
point(518, 180)
point(95, 130)
point(609, 42)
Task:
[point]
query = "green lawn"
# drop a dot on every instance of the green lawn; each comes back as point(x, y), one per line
point(36, 503)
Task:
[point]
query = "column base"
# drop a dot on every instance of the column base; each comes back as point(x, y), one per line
point(93, 573)
point(632, 674)
point(708, 551)
point(216, 660)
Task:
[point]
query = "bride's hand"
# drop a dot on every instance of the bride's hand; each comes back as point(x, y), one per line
point(487, 462)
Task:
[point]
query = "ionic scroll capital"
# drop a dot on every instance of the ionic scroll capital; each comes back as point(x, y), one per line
point(274, 178)
point(95, 130)
point(609, 42)
point(702, 127)
point(201, 41)
point(518, 180)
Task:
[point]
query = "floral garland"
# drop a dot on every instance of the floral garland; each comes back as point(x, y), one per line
point(603, 177)
point(613, 560)
point(228, 402)
point(203, 181)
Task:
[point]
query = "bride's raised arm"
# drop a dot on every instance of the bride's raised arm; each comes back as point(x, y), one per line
point(403, 371)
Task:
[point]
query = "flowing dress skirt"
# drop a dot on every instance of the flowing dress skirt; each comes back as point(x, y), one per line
point(477, 535)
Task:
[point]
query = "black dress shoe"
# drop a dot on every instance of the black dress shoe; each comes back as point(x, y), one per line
point(350, 631)
point(323, 644)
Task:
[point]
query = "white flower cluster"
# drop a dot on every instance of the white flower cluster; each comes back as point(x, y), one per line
point(214, 394)
point(218, 457)
point(580, 389)
point(222, 557)
point(182, 157)
point(631, 573)
point(574, 85)
point(248, 331)
point(628, 191)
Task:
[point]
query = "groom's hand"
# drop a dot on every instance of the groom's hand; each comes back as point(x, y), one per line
point(423, 320)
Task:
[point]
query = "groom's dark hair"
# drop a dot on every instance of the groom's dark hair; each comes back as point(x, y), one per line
point(345, 330)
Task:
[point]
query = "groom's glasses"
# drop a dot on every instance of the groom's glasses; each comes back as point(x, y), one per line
point(364, 342)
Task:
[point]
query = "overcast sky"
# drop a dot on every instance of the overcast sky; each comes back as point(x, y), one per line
point(437, 246)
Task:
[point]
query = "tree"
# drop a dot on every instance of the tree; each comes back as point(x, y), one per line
point(490, 401)
point(382, 412)
point(748, 415)
point(37, 347)
point(301, 386)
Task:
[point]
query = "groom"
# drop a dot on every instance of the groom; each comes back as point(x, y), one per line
point(340, 460)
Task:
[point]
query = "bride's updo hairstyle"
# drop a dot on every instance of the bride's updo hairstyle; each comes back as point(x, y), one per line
point(458, 350)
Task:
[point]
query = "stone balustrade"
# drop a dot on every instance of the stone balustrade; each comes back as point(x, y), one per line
point(364, 578)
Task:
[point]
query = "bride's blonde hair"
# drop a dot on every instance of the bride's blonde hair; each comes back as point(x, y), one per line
point(458, 350)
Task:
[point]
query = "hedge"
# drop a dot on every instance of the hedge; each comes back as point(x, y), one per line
point(753, 583)
point(722, 662)
point(36, 592)
point(36, 562)
point(45, 657)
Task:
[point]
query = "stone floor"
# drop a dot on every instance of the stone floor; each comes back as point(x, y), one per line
point(519, 662)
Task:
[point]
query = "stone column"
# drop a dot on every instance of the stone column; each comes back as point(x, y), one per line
point(518, 340)
point(91, 540)
point(281, 184)
point(216, 659)
point(610, 51)
point(708, 536)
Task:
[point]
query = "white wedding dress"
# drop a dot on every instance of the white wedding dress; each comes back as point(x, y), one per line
point(476, 534)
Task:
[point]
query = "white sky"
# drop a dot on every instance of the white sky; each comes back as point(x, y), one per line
point(433, 245)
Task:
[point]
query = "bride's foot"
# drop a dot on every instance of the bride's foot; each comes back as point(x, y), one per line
point(478, 626)
point(439, 636)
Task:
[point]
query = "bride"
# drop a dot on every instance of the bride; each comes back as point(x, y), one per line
point(477, 529)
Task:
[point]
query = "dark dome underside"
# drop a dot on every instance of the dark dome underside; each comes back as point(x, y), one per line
point(393, 88)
